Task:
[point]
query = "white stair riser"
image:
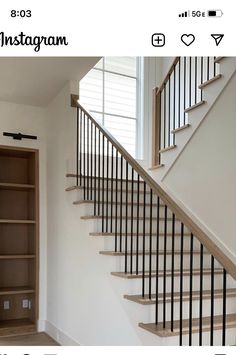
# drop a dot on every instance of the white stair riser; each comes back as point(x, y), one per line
point(134, 286)
point(96, 226)
point(186, 262)
point(109, 243)
point(218, 307)
point(103, 197)
point(90, 210)
point(230, 338)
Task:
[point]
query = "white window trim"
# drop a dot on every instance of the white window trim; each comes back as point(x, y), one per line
point(139, 116)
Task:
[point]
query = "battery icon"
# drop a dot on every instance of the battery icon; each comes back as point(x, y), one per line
point(214, 13)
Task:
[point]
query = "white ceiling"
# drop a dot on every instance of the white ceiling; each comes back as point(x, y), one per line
point(36, 81)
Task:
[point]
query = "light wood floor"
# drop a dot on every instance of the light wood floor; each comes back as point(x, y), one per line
point(39, 339)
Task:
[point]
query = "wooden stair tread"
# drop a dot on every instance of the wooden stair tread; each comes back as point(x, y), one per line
point(218, 59)
point(158, 329)
point(194, 106)
point(167, 148)
point(156, 167)
point(180, 128)
point(218, 293)
point(205, 83)
point(186, 272)
point(107, 234)
point(161, 252)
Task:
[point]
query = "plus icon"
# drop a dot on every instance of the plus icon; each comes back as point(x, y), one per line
point(158, 40)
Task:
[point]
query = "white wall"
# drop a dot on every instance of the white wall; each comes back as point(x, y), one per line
point(31, 120)
point(166, 63)
point(203, 177)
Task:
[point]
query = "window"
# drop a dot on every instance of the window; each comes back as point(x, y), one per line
point(110, 92)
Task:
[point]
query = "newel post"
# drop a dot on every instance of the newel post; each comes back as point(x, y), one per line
point(73, 100)
point(156, 126)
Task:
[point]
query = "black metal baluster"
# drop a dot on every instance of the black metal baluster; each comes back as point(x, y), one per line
point(201, 294)
point(224, 308)
point(103, 182)
point(77, 147)
point(84, 160)
point(181, 287)
point(195, 100)
point(121, 199)
point(164, 117)
point(179, 93)
point(212, 301)
point(202, 63)
point(116, 219)
point(150, 248)
point(169, 130)
point(184, 90)
point(208, 68)
point(99, 171)
point(91, 163)
point(190, 81)
point(80, 149)
point(172, 272)
point(112, 192)
point(137, 227)
point(164, 268)
point(157, 260)
point(174, 104)
point(107, 194)
point(88, 158)
point(126, 215)
point(191, 290)
point(95, 170)
point(214, 67)
point(132, 221)
point(144, 232)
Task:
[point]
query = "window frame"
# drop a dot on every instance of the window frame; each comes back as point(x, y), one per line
point(139, 98)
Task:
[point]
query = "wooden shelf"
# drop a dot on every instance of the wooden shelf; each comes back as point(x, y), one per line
point(17, 221)
point(16, 290)
point(17, 327)
point(17, 256)
point(15, 187)
point(18, 239)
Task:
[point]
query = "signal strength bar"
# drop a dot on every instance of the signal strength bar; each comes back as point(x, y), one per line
point(184, 14)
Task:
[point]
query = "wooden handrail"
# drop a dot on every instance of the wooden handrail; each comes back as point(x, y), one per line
point(170, 71)
point(215, 251)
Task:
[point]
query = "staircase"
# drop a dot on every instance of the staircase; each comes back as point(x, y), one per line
point(180, 104)
point(183, 280)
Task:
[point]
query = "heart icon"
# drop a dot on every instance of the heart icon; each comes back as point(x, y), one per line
point(187, 39)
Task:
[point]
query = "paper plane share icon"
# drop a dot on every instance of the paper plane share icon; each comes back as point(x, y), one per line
point(218, 38)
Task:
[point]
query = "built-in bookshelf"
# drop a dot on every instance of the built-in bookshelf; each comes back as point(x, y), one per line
point(19, 224)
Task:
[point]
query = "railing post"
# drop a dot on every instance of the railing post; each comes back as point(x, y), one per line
point(73, 102)
point(156, 125)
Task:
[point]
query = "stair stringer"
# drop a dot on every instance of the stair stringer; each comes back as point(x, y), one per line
point(211, 94)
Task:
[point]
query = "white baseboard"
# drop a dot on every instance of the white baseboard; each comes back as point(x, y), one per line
point(41, 325)
point(57, 334)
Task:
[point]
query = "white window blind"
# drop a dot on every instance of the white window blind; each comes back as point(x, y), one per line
point(109, 91)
